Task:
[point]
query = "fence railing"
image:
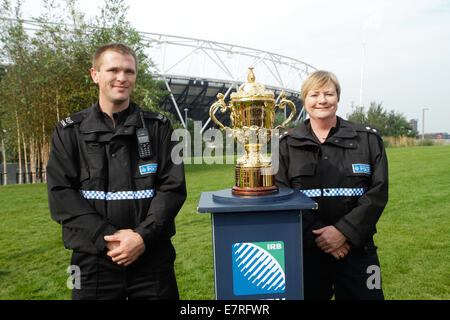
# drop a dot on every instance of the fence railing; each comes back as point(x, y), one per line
point(39, 176)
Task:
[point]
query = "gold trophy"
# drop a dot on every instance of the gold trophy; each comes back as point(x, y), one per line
point(252, 116)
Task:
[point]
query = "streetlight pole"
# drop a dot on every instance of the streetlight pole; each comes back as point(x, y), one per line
point(423, 122)
point(185, 116)
point(363, 62)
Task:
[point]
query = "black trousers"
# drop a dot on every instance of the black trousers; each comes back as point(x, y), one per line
point(103, 279)
point(355, 277)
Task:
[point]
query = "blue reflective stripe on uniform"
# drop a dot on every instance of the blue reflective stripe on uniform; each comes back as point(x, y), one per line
point(343, 192)
point(333, 192)
point(93, 194)
point(311, 193)
point(120, 195)
point(143, 194)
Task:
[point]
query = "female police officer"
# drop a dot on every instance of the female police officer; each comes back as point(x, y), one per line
point(343, 167)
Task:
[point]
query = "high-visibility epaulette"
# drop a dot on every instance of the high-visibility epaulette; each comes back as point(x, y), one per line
point(285, 133)
point(155, 115)
point(365, 128)
point(69, 121)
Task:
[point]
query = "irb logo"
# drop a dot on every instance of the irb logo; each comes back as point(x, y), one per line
point(258, 268)
point(274, 246)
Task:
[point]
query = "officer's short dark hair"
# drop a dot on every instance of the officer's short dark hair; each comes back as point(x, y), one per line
point(116, 47)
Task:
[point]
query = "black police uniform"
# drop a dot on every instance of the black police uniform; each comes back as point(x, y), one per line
point(98, 184)
point(347, 176)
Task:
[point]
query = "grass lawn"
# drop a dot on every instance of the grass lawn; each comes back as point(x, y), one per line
point(413, 233)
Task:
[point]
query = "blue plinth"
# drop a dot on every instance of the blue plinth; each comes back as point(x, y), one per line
point(257, 243)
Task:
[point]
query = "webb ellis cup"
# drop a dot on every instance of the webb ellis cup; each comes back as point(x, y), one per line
point(252, 114)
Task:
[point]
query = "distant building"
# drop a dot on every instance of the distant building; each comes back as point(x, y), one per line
point(413, 123)
point(437, 135)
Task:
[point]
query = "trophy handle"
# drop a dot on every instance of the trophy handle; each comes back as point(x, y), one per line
point(220, 103)
point(281, 105)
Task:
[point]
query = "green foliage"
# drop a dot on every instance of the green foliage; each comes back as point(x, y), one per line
point(425, 142)
point(279, 118)
point(47, 76)
point(390, 123)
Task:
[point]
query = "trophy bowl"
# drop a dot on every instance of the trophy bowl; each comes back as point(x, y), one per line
point(252, 114)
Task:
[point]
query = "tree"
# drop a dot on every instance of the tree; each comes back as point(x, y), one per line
point(358, 115)
point(47, 76)
point(387, 123)
point(399, 126)
point(2, 137)
point(376, 117)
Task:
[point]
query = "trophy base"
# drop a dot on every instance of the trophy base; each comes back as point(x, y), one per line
point(254, 191)
point(254, 181)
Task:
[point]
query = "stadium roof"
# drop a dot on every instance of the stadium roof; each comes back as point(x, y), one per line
point(195, 70)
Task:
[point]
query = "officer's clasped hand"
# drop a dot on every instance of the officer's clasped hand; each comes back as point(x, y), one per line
point(125, 246)
point(331, 240)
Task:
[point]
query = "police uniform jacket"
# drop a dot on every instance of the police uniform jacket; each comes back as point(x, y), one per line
point(347, 176)
point(97, 184)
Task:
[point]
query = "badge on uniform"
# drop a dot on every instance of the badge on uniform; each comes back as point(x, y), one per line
point(65, 122)
point(148, 168)
point(361, 168)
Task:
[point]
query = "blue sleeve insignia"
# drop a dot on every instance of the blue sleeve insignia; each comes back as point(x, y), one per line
point(148, 168)
point(361, 168)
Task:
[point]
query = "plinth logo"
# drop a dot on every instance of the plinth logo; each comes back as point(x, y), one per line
point(258, 268)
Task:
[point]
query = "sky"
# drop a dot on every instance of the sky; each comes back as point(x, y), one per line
point(406, 43)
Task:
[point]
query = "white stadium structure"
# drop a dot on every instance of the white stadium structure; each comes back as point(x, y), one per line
point(195, 70)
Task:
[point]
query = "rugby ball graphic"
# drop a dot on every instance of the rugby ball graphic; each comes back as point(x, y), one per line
point(258, 268)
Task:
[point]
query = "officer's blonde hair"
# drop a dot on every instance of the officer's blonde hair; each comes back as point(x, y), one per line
point(317, 80)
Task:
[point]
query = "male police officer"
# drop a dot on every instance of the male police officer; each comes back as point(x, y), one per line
point(114, 189)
